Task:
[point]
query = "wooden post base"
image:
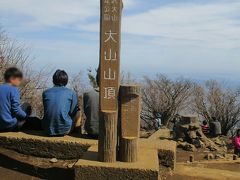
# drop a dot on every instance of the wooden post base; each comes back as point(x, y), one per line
point(128, 149)
point(107, 137)
point(130, 122)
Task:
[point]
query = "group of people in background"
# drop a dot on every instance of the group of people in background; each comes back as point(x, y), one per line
point(214, 129)
point(61, 107)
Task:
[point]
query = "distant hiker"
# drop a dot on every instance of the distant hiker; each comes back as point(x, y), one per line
point(61, 110)
point(158, 120)
point(236, 142)
point(91, 110)
point(13, 115)
point(205, 127)
point(215, 127)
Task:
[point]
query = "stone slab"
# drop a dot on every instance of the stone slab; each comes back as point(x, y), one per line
point(161, 134)
point(189, 120)
point(36, 144)
point(145, 169)
point(167, 150)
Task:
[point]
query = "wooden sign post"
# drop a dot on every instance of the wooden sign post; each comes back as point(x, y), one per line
point(130, 108)
point(110, 41)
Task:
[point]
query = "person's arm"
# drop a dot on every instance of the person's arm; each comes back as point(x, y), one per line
point(74, 105)
point(16, 105)
point(85, 102)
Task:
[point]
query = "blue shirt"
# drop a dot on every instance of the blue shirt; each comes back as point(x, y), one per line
point(10, 107)
point(60, 106)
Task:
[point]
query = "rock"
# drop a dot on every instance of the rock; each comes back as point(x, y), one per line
point(70, 166)
point(192, 134)
point(209, 156)
point(198, 143)
point(206, 151)
point(189, 120)
point(189, 147)
point(235, 157)
point(53, 160)
point(186, 146)
point(219, 156)
point(180, 139)
point(217, 141)
point(200, 133)
point(191, 158)
point(212, 148)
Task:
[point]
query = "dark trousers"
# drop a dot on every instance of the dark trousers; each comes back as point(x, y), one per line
point(237, 151)
point(29, 123)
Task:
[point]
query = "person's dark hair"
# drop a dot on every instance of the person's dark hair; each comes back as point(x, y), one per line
point(205, 122)
point(12, 72)
point(214, 118)
point(98, 77)
point(238, 132)
point(60, 78)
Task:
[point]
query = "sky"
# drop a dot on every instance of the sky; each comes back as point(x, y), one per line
point(199, 39)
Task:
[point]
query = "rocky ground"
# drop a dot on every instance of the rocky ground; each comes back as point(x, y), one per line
point(202, 169)
point(200, 157)
point(220, 166)
point(16, 166)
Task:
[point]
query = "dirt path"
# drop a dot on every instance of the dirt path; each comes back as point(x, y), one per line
point(206, 173)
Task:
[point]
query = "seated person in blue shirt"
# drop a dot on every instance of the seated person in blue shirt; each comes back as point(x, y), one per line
point(61, 110)
point(13, 115)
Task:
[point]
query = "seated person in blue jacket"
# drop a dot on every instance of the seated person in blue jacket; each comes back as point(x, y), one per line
point(15, 116)
point(61, 110)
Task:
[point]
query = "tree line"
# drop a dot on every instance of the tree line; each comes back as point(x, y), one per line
point(161, 95)
point(167, 97)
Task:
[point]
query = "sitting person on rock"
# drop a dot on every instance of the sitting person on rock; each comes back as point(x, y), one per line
point(91, 110)
point(61, 111)
point(15, 116)
point(236, 142)
point(215, 127)
point(205, 127)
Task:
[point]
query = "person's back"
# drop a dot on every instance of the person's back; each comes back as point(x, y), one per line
point(10, 106)
point(91, 110)
point(60, 107)
point(9, 97)
point(217, 128)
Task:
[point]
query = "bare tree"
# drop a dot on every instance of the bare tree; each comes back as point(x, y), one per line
point(92, 77)
point(165, 97)
point(77, 84)
point(14, 54)
point(215, 101)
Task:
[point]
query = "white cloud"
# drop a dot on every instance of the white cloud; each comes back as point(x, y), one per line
point(212, 23)
point(45, 13)
point(54, 13)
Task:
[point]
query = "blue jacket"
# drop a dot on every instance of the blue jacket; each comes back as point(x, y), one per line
point(60, 106)
point(10, 107)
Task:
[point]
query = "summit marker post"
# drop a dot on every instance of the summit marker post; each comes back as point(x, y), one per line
point(110, 42)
